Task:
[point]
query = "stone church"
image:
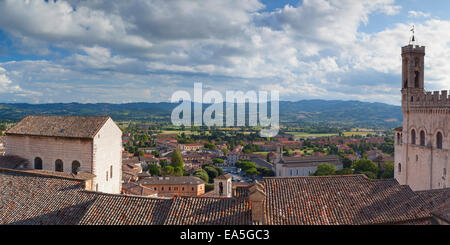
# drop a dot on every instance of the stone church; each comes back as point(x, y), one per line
point(422, 144)
point(71, 144)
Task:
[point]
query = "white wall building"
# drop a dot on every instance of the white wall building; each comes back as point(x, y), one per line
point(71, 144)
point(303, 166)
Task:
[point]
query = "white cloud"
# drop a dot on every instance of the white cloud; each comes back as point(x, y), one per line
point(118, 50)
point(416, 14)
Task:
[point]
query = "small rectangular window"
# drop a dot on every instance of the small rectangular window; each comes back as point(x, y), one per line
point(106, 175)
point(110, 171)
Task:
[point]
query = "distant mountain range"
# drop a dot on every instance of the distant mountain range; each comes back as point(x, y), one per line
point(334, 113)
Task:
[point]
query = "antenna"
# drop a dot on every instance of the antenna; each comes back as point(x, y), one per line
point(412, 40)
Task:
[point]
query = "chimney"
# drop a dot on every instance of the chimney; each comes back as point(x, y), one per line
point(257, 197)
point(88, 184)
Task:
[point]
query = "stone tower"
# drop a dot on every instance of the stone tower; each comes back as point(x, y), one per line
point(422, 143)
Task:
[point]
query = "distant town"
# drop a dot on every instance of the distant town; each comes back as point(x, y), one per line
point(156, 158)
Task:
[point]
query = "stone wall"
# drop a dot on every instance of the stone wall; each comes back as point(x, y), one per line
point(49, 149)
point(424, 167)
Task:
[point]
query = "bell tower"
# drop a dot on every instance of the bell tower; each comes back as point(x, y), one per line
point(413, 67)
point(413, 56)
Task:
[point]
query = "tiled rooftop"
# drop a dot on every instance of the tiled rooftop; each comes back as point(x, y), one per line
point(26, 198)
point(59, 126)
point(209, 211)
point(438, 201)
point(340, 200)
point(36, 200)
point(108, 209)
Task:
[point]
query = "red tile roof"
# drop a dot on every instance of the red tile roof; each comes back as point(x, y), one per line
point(59, 126)
point(209, 211)
point(340, 200)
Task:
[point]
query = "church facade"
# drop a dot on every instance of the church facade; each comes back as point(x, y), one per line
point(422, 144)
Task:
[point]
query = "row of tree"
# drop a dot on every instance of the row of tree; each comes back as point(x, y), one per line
point(362, 166)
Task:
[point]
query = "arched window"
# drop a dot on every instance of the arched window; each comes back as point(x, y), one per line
point(399, 167)
point(439, 140)
point(220, 188)
point(76, 167)
point(422, 138)
point(413, 137)
point(37, 163)
point(398, 139)
point(59, 166)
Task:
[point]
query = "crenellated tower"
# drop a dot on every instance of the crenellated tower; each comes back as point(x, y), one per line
point(413, 64)
point(422, 144)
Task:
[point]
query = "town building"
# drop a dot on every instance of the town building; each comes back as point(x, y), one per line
point(422, 144)
point(174, 185)
point(133, 188)
point(70, 144)
point(302, 166)
point(131, 168)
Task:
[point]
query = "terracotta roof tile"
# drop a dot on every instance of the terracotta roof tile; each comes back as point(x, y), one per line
point(59, 126)
point(340, 200)
point(209, 211)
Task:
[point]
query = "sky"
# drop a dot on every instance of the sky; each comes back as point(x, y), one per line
point(145, 50)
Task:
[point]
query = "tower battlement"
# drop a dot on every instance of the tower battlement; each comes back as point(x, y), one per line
point(413, 49)
point(431, 99)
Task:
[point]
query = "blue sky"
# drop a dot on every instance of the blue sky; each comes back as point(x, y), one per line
point(145, 50)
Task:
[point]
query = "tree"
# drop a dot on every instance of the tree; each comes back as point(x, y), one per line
point(167, 170)
point(155, 153)
point(210, 146)
point(251, 172)
point(139, 153)
point(153, 170)
point(347, 163)
point(212, 172)
point(344, 171)
point(265, 172)
point(177, 171)
point(163, 163)
point(388, 170)
point(209, 187)
point(176, 160)
point(202, 174)
point(325, 169)
point(219, 170)
point(218, 161)
point(369, 174)
point(364, 165)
